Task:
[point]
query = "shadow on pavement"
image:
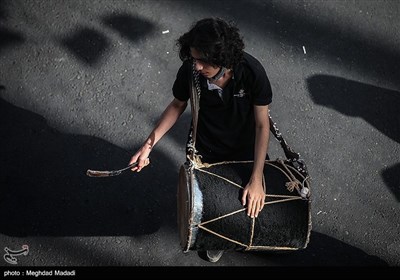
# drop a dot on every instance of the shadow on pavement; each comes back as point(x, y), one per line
point(378, 106)
point(2, 12)
point(128, 26)
point(87, 45)
point(45, 190)
point(391, 177)
point(330, 41)
point(90, 46)
point(8, 38)
point(323, 251)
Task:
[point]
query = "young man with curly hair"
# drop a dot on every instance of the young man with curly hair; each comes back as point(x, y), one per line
point(233, 119)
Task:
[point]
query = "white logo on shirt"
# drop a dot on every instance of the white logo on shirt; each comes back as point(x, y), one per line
point(241, 93)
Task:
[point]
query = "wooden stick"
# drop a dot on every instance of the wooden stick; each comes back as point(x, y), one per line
point(97, 173)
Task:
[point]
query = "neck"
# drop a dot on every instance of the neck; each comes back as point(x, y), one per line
point(219, 75)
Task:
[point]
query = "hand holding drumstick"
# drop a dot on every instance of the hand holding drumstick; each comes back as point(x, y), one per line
point(141, 158)
point(136, 164)
point(108, 173)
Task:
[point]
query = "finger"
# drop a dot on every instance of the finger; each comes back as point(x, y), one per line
point(146, 162)
point(143, 163)
point(258, 208)
point(134, 168)
point(140, 165)
point(244, 198)
point(133, 160)
point(262, 203)
point(140, 168)
point(250, 206)
point(254, 210)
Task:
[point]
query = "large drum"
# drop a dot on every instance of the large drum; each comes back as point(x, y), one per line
point(211, 216)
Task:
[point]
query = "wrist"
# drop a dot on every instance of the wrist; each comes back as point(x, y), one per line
point(148, 145)
point(257, 177)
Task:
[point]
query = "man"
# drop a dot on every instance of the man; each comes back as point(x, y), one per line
point(233, 117)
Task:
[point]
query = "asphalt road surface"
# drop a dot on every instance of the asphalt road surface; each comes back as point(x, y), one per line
point(82, 83)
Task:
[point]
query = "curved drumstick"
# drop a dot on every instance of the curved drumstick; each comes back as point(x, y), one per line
point(96, 173)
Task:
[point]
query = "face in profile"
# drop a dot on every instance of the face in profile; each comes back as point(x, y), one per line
point(206, 69)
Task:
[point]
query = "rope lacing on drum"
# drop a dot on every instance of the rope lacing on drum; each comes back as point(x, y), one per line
point(304, 192)
point(195, 161)
point(282, 198)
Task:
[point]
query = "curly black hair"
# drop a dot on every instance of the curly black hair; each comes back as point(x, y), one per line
point(218, 41)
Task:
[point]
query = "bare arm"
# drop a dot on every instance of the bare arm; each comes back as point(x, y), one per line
point(253, 194)
point(168, 118)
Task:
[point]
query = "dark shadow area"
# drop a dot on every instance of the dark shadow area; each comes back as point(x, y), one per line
point(8, 38)
point(3, 14)
point(329, 41)
point(323, 250)
point(378, 106)
point(128, 26)
point(87, 45)
point(45, 191)
point(391, 177)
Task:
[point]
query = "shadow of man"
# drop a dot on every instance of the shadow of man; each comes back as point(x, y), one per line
point(377, 106)
point(45, 191)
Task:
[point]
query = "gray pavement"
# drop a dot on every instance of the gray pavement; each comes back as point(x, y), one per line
point(82, 83)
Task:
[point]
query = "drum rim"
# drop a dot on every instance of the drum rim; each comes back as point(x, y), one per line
point(183, 203)
point(194, 207)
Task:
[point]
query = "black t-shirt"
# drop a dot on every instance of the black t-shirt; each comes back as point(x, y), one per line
point(226, 126)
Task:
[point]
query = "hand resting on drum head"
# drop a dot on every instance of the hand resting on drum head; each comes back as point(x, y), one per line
point(253, 196)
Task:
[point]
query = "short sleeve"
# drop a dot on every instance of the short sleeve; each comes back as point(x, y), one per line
point(261, 87)
point(256, 80)
point(181, 87)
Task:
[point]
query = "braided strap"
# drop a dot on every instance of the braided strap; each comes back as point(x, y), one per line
point(195, 92)
point(293, 157)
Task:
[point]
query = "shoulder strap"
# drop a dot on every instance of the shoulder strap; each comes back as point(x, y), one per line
point(195, 91)
point(291, 155)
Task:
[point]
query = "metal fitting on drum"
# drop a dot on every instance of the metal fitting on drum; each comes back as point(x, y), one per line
point(304, 192)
